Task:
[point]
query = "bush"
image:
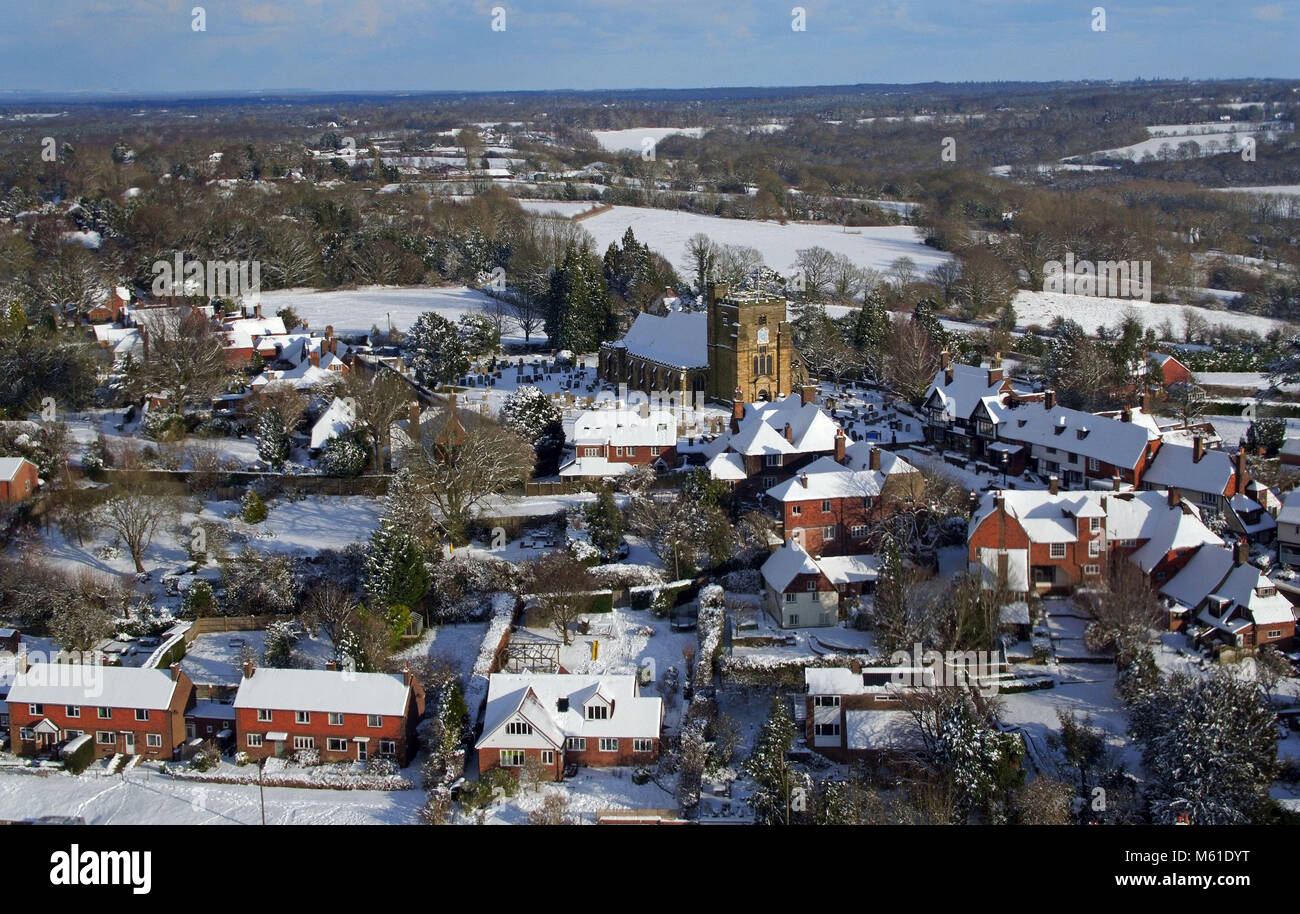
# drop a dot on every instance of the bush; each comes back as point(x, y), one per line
point(307, 757)
point(78, 754)
point(343, 456)
point(252, 508)
point(207, 757)
point(242, 758)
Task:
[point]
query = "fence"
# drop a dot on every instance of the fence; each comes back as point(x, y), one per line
point(232, 484)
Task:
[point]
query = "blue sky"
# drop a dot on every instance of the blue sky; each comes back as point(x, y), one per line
point(149, 46)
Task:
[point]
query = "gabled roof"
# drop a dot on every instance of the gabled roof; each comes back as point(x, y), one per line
point(94, 686)
point(335, 421)
point(1175, 467)
point(324, 691)
point(537, 697)
point(969, 385)
point(1290, 513)
point(1199, 577)
point(622, 425)
point(678, 339)
point(1112, 441)
point(727, 466)
point(824, 478)
point(787, 563)
point(762, 430)
point(9, 467)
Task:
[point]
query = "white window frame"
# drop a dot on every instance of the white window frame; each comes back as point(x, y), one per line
point(548, 756)
point(609, 744)
point(254, 740)
point(1092, 570)
point(857, 531)
point(576, 744)
point(304, 742)
point(335, 719)
point(302, 717)
point(826, 701)
point(142, 714)
point(387, 748)
point(826, 729)
point(512, 758)
point(264, 715)
point(111, 739)
point(641, 744)
point(1094, 548)
point(336, 744)
point(374, 721)
point(27, 734)
point(153, 740)
point(1056, 550)
point(72, 710)
point(102, 713)
point(519, 728)
point(796, 510)
point(828, 533)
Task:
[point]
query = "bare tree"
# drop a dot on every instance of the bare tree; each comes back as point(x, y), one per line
point(563, 588)
point(377, 402)
point(1125, 609)
point(527, 312)
point(331, 610)
point(185, 356)
point(911, 360)
point(136, 509)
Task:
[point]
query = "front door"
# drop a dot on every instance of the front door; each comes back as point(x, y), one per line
point(128, 743)
point(361, 752)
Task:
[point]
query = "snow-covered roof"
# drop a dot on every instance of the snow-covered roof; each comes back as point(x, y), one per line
point(1290, 513)
point(1074, 431)
point(596, 467)
point(336, 420)
point(762, 430)
point(1169, 530)
point(94, 686)
point(537, 697)
point(324, 691)
point(1175, 467)
point(787, 563)
point(824, 478)
point(678, 339)
point(9, 467)
point(1243, 586)
point(621, 426)
point(1202, 573)
point(875, 729)
point(958, 397)
point(727, 466)
point(849, 569)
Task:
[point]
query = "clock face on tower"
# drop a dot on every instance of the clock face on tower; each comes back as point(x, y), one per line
point(762, 336)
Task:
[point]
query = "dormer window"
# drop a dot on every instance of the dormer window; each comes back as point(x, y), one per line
point(597, 712)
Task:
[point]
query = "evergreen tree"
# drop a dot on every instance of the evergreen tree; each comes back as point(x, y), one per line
point(394, 571)
point(604, 523)
point(272, 438)
point(252, 508)
point(577, 302)
point(777, 794)
point(438, 350)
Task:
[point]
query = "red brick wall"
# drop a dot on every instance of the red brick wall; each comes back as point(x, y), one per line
point(590, 757)
point(395, 728)
point(169, 725)
point(21, 487)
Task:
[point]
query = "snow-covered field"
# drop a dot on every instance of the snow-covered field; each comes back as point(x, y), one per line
point(1282, 190)
point(357, 310)
point(1091, 312)
point(564, 208)
point(630, 140)
point(666, 231)
point(1213, 137)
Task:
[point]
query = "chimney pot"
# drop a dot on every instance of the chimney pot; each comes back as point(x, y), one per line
point(1198, 449)
point(175, 670)
point(874, 458)
point(1114, 482)
point(1053, 485)
point(789, 433)
point(1049, 399)
point(803, 480)
point(840, 445)
point(947, 375)
point(1175, 498)
point(332, 666)
point(1241, 552)
point(249, 669)
point(808, 394)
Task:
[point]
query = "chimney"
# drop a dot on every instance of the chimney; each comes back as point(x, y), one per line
point(1142, 400)
point(249, 669)
point(1114, 483)
point(803, 480)
point(1049, 399)
point(314, 357)
point(789, 433)
point(973, 501)
point(257, 310)
point(1175, 498)
point(643, 410)
point(175, 670)
point(995, 371)
point(332, 666)
point(408, 676)
point(808, 394)
point(738, 405)
point(413, 417)
point(1242, 479)
point(945, 360)
point(947, 375)
point(1126, 415)
point(873, 461)
point(1198, 449)
point(1241, 552)
point(999, 501)
point(840, 443)
point(21, 663)
point(1053, 485)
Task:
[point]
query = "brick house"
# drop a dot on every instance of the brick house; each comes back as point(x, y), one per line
point(797, 593)
point(345, 716)
point(952, 401)
point(1168, 369)
point(128, 710)
point(1230, 600)
point(566, 718)
point(1207, 476)
point(1051, 542)
point(18, 480)
point(613, 441)
point(859, 712)
point(771, 441)
point(830, 506)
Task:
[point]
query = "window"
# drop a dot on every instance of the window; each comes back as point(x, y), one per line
point(71, 734)
point(654, 452)
point(73, 711)
point(826, 729)
point(796, 510)
point(769, 481)
point(576, 743)
point(336, 719)
point(304, 742)
point(387, 748)
point(826, 504)
point(153, 740)
point(597, 712)
point(1274, 634)
point(512, 758)
point(1074, 458)
point(106, 737)
point(374, 721)
point(302, 717)
point(643, 745)
point(1092, 570)
point(1056, 550)
point(1094, 548)
point(35, 709)
point(609, 744)
point(591, 452)
point(618, 452)
point(336, 744)
point(811, 586)
point(104, 713)
point(254, 740)
point(264, 714)
point(1209, 499)
point(828, 533)
point(794, 619)
point(1093, 464)
point(826, 701)
point(27, 735)
point(857, 531)
point(791, 597)
point(772, 460)
point(141, 713)
point(548, 757)
point(519, 728)
point(1094, 524)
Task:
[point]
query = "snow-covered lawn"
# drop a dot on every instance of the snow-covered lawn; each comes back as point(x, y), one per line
point(146, 796)
point(666, 231)
point(357, 310)
point(1284, 190)
point(630, 140)
point(1091, 312)
point(214, 658)
point(563, 208)
point(590, 792)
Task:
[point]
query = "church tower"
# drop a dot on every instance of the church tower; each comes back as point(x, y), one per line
point(750, 346)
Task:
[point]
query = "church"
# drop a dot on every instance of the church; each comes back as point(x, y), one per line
point(741, 342)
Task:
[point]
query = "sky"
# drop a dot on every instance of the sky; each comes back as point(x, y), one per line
point(152, 46)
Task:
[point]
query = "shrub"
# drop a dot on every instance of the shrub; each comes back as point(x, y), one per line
point(207, 757)
point(78, 754)
point(252, 508)
point(307, 757)
point(343, 456)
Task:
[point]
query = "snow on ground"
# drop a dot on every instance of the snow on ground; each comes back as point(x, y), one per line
point(1212, 137)
point(146, 796)
point(630, 140)
point(357, 310)
point(214, 658)
point(1092, 311)
point(312, 523)
point(591, 791)
point(565, 208)
point(666, 231)
point(457, 645)
point(1283, 190)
